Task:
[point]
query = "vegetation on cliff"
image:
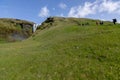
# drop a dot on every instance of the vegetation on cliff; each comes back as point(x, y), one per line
point(14, 29)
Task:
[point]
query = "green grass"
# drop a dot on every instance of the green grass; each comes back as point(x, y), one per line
point(64, 52)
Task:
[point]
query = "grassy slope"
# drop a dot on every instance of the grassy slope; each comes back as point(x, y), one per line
point(68, 52)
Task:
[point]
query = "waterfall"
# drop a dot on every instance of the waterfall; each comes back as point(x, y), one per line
point(35, 26)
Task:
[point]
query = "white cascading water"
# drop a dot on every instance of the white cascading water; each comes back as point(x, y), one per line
point(35, 26)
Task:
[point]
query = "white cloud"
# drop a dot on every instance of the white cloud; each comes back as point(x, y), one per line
point(110, 6)
point(82, 11)
point(98, 6)
point(44, 12)
point(62, 5)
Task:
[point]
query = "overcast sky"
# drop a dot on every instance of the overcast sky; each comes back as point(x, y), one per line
point(38, 10)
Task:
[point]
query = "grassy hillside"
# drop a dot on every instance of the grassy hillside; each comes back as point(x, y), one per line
point(65, 51)
point(11, 29)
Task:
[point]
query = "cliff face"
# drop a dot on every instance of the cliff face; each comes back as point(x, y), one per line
point(15, 29)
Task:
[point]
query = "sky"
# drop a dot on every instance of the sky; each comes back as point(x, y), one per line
point(38, 10)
